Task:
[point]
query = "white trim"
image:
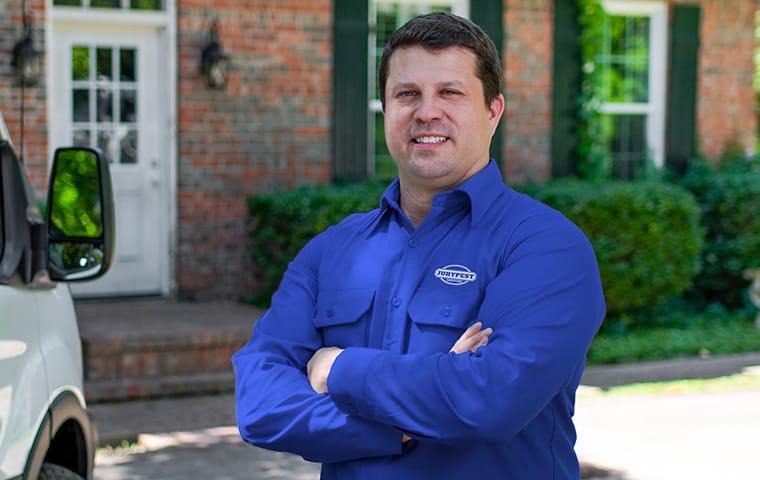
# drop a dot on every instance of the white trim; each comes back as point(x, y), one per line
point(623, 108)
point(113, 17)
point(658, 39)
point(629, 7)
point(169, 282)
point(655, 108)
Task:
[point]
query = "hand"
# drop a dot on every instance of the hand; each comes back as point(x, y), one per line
point(472, 339)
point(319, 367)
point(405, 438)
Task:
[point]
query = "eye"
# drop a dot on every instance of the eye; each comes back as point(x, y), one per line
point(407, 93)
point(451, 92)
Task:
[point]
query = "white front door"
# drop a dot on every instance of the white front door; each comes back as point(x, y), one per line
point(107, 94)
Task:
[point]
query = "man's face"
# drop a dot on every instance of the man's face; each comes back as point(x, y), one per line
point(437, 126)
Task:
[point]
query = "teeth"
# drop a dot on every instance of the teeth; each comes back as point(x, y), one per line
point(430, 139)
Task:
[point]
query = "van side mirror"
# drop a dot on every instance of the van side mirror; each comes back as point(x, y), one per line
point(80, 215)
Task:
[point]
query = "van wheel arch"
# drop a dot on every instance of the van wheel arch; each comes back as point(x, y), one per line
point(66, 437)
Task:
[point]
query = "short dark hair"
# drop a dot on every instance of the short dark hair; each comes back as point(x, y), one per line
point(439, 30)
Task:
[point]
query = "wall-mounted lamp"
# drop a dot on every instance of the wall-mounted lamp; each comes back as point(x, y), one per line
point(27, 60)
point(215, 64)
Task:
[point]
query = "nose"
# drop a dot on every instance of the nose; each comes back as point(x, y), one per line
point(428, 109)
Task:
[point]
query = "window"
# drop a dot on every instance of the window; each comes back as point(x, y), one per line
point(385, 17)
point(633, 67)
point(113, 4)
point(104, 100)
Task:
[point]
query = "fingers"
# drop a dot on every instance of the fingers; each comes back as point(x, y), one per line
point(472, 339)
point(468, 338)
point(484, 339)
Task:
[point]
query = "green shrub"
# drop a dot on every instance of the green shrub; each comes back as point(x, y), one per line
point(729, 199)
point(715, 330)
point(646, 236)
point(282, 222)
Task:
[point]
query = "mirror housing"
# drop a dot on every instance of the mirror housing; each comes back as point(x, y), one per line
point(15, 250)
point(80, 215)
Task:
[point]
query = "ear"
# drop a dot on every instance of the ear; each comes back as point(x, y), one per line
point(496, 110)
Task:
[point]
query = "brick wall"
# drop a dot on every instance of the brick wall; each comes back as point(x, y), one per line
point(269, 129)
point(725, 94)
point(526, 124)
point(35, 113)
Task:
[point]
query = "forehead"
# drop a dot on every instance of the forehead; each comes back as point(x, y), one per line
point(418, 64)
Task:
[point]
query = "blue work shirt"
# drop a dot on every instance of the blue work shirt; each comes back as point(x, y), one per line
point(396, 299)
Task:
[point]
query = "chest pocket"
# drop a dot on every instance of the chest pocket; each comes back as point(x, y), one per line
point(439, 317)
point(344, 316)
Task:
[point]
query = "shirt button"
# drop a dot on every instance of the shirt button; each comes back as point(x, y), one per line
point(413, 242)
point(396, 302)
point(445, 311)
point(330, 313)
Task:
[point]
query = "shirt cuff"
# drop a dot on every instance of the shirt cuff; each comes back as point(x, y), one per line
point(347, 377)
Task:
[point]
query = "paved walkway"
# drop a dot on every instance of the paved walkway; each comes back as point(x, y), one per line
point(635, 437)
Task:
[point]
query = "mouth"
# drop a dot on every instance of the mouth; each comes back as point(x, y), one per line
point(430, 140)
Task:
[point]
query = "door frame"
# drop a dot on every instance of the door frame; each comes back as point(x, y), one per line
point(165, 25)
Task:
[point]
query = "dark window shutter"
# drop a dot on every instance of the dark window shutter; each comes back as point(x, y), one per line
point(566, 88)
point(489, 14)
point(350, 95)
point(681, 124)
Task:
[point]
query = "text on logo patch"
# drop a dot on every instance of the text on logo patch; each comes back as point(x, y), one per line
point(455, 274)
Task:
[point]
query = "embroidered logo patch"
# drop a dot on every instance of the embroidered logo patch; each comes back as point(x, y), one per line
point(455, 274)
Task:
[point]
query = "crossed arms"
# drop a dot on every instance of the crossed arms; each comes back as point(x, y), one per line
point(544, 308)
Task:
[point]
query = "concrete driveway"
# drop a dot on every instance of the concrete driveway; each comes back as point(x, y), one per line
point(633, 437)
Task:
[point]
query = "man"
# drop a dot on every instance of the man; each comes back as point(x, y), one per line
point(353, 365)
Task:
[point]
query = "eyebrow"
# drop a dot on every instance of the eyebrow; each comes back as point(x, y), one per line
point(412, 85)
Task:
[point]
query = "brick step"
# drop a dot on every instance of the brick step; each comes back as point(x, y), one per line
point(157, 387)
point(141, 357)
point(147, 348)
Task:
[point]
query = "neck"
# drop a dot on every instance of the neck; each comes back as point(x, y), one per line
point(415, 203)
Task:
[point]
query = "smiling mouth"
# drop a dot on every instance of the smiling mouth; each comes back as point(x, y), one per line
point(429, 140)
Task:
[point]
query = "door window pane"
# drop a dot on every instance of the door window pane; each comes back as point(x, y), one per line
point(127, 64)
point(128, 114)
point(105, 105)
point(67, 3)
point(105, 64)
point(81, 138)
point(105, 144)
point(128, 145)
point(105, 3)
point(145, 4)
point(81, 105)
point(80, 63)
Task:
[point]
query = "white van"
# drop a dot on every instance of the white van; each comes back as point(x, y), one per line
point(45, 431)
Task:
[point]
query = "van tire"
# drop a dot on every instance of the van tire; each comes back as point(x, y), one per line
point(51, 471)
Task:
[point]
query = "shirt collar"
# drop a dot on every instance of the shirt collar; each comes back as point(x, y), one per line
point(481, 189)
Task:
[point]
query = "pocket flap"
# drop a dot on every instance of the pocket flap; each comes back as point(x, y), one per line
point(442, 306)
point(335, 307)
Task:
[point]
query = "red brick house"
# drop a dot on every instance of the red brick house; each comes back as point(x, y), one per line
point(300, 105)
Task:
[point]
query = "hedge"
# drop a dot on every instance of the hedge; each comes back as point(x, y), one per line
point(646, 235)
point(283, 221)
point(729, 199)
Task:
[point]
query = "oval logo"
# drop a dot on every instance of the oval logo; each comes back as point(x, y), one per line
point(455, 274)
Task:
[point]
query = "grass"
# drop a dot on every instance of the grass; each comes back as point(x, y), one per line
point(742, 382)
point(714, 333)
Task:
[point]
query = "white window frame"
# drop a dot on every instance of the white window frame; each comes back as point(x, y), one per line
point(458, 7)
point(654, 109)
